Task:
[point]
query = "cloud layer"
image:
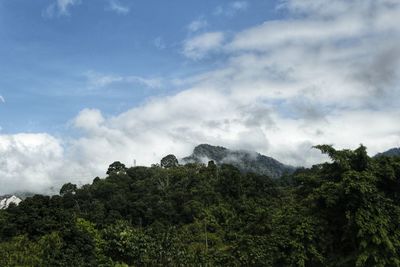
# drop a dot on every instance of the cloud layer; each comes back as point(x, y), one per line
point(60, 8)
point(327, 73)
point(29, 161)
point(117, 7)
point(231, 9)
point(201, 45)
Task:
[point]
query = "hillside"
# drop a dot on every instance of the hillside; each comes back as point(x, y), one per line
point(246, 161)
point(210, 215)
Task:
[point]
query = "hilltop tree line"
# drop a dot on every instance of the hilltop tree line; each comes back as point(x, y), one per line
point(345, 212)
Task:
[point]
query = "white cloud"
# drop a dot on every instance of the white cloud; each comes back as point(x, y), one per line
point(301, 33)
point(59, 8)
point(2, 99)
point(331, 9)
point(159, 43)
point(197, 25)
point(319, 80)
point(240, 5)
point(198, 46)
point(29, 162)
point(117, 7)
point(89, 119)
point(231, 9)
point(96, 80)
point(322, 77)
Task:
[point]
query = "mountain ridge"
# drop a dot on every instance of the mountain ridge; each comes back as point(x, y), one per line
point(392, 152)
point(246, 161)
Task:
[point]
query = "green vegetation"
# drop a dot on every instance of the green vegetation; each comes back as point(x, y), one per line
point(342, 213)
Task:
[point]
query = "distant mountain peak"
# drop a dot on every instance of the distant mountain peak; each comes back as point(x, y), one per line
point(205, 151)
point(246, 161)
point(206, 148)
point(393, 152)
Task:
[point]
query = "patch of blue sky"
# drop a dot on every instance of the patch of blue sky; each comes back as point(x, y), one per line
point(44, 59)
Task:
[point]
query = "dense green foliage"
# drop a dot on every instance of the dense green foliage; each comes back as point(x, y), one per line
point(342, 213)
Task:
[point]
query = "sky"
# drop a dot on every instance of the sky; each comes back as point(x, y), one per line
point(85, 83)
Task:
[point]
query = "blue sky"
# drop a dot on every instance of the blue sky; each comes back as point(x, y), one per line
point(46, 57)
point(84, 83)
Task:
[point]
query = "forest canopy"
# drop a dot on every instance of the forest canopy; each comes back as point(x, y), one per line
point(340, 213)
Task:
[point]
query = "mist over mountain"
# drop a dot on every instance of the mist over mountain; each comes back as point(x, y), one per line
point(246, 161)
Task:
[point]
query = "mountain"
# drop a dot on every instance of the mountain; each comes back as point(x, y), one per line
point(6, 200)
point(246, 161)
point(393, 152)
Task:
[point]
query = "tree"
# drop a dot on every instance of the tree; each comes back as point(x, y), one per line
point(360, 223)
point(345, 212)
point(20, 251)
point(169, 161)
point(68, 188)
point(116, 168)
point(126, 244)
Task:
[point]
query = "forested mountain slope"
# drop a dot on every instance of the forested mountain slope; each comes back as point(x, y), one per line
point(343, 213)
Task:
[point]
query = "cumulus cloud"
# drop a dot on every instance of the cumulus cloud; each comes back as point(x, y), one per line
point(290, 84)
point(231, 9)
point(59, 8)
point(29, 162)
point(89, 120)
point(200, 45)
point(2, 99)
point(118, 8)
point(379, 74)
point(197, 25)
point(326, 74)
